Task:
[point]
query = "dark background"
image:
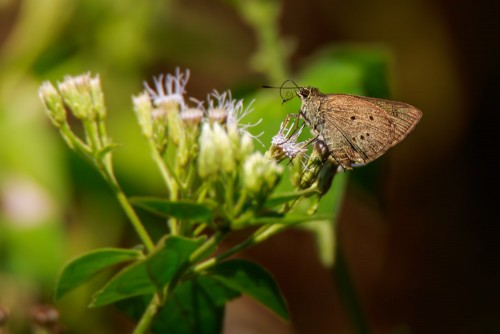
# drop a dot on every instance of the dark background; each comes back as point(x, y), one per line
point(421, 242)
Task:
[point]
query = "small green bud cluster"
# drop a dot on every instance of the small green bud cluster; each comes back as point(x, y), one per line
point(82, 96)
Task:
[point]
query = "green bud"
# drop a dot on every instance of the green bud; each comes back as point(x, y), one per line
point(314, 164)
point(246, 146)
point(76, 94)
point(143, 110)
point(171, 109)
point(225, 152)
point(159, 120)
point(53, 103)
point(326, 175)
point(97, 97)
point(260, 175)
point(208, 161)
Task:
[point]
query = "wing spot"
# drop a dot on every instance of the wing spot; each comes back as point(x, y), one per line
point(353, 117)
point(362, 137)
point(353, 139)
point(371, 118)
point(367, 134)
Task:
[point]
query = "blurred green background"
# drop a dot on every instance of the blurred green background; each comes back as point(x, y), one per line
point(417, 227)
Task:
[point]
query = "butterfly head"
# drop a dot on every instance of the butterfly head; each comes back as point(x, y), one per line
point(305, 93)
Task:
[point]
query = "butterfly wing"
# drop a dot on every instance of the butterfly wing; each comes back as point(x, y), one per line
point(404, 116)
point(356, 130)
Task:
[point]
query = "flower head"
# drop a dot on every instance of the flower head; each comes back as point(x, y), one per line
point(284, 144)
point(222, 108)
point(169, 88)
point(83, 95)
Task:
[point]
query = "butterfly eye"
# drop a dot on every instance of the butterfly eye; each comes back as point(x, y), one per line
point(304, 92)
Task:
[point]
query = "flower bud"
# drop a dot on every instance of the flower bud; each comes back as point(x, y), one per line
point(314, 164)
point(97, 97)
point(225, 152)
point(207, 160)
point(76, 94)
point(260, 175)
point(246, 146)
point(143, 110)
point(326, 175)
point(53, 103)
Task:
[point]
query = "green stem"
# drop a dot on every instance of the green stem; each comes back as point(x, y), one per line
point(105, 167)
point(92, 133)
point(171, 182)
point(201, 251)
point(148, 316)
point(240, 203)
point(74, 142)
point(107, 171)
point(259, 236)
point(165, 173)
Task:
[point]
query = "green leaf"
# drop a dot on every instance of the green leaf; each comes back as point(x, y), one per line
point(84, 267)
point(218, 292)
point(131, 281)
point(195, 306)
point(251, 279)
point(180, 209)
point(170, 258)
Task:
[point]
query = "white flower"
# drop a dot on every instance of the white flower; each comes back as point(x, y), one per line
point(169, 88)
point(223, 108)
point(284, 143)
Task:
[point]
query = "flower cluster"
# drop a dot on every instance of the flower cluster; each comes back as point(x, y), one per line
point(204, 151)
point(207, 137)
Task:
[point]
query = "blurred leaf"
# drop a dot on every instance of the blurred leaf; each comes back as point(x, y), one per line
point(348, 69)
point(180, 210)
point(251, 279)
point(196, 306)
point(131, 281)
point(171, 256)
point(83, 268)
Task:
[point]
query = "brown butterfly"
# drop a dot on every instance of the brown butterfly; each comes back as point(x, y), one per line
point(356, 129)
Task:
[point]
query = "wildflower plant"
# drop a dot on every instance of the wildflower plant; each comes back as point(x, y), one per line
point(216, 182)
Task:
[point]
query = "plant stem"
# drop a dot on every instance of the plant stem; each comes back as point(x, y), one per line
point(260, 235)
point(107, 171)
point(148, 316)
point(165, 173)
